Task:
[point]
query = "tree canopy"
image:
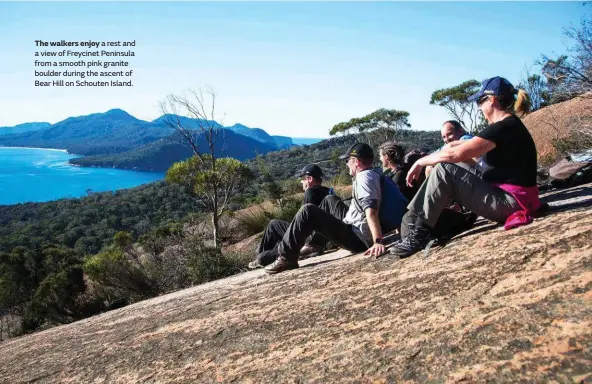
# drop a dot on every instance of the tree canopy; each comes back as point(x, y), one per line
point(213, 182)
point(455, 101)
point(387, 120)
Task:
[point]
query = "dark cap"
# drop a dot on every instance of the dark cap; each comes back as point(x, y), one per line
point(359, 150)
point(495, 86)
point(311, 170)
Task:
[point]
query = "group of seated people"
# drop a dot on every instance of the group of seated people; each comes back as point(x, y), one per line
point(492, 174)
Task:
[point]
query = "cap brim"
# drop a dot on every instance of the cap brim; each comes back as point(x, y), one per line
point(476, 96)
point(343, 157)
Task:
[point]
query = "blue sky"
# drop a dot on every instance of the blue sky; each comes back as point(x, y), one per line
point(292, 69)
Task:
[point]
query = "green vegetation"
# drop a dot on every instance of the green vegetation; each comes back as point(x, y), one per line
point(212, 182)
point(387, 121)
point(69, 259)
point(159, 155)
point(283, 165)
point(255, 219)
point(454, 100)
point(89, 223)
point(41, 285)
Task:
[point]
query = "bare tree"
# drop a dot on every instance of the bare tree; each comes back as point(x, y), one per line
point(192, 116)
point(212, 181)
point(571, 75)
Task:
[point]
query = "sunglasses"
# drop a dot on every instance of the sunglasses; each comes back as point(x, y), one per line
point(482, 99)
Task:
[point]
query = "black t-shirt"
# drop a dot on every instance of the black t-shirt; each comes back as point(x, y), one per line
point(315, 195)
point(514, 158)
point(400, 178)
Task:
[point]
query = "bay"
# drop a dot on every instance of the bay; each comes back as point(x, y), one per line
point(38, 175)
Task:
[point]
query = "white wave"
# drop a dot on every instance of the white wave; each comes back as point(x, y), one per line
point(45, 149)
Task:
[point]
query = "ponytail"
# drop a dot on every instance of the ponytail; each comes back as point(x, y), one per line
point(522, 103)
point(517, 103)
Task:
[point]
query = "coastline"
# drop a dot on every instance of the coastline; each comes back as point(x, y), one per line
point(47, 149)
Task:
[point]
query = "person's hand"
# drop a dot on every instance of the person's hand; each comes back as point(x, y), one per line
point(428, 169)
point(414, 173)
point(375, 250)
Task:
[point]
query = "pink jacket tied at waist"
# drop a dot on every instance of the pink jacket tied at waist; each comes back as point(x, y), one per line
point(527, 198)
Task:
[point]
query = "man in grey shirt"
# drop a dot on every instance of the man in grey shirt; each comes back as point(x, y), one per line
point(366, 193)
point(355, 228)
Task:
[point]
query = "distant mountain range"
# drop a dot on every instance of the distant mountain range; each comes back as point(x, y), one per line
point(117, 139)
point(22, 128)
point(161, 154)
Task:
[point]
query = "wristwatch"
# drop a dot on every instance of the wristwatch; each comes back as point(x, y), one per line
point(380, 240)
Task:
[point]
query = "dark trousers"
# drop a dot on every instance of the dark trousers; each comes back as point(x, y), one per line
point(267, 251)
point(325, 219)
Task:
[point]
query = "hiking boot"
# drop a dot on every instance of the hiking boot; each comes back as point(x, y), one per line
point(254, 264)
point(418, 236)
point(280, 265)
point(311, 251)
point(407, 223)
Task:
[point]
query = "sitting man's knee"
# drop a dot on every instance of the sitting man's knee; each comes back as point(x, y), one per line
point(306, 210)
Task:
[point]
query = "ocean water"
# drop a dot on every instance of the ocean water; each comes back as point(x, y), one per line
point(36, 175)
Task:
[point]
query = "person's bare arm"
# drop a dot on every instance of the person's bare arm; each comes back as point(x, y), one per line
point(377, 249)
point(466, 150)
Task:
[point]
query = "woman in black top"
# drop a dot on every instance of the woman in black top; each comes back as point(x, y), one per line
point(397, 165)
point(507, 188)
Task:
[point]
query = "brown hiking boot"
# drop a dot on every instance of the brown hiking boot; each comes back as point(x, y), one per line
point(280, 265)
point(311, 251)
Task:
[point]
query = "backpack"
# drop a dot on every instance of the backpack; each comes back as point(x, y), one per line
point(393, 204)
point(568, 173)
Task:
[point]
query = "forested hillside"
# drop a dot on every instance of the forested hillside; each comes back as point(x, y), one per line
point(160, 155)
point(87, 224)
point(284, 164)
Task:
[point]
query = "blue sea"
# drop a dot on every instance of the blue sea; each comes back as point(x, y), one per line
point(36, 175)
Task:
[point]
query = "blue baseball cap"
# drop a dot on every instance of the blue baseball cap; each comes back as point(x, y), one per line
point(495, 86)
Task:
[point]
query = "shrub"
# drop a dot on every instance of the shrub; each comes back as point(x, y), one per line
point(207, 263)
point(122, 273)
point(253, 220)
point(288, 209)
point(55, 299)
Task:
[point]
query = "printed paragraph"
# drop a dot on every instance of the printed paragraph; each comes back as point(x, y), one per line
point(84, 63)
